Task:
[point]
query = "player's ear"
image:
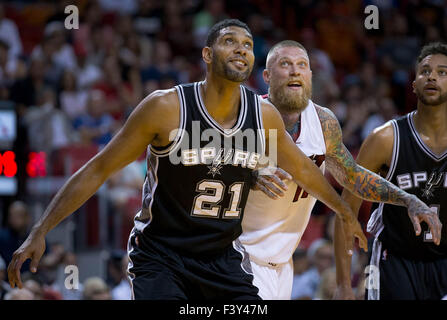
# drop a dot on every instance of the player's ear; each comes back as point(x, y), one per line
point(207, 55)
point(266, 76)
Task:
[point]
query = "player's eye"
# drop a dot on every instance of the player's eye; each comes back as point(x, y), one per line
point(248, 45)
point(284, 63)
point(229, 40)
point(442, 72)
point(425, 72)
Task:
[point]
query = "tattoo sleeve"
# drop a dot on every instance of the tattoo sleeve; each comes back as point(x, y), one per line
point(360, 181)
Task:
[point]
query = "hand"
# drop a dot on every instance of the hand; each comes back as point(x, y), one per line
point(351, 228)
point(271, 182)
point(33, 248)
point(419, 211)
point(344, 292)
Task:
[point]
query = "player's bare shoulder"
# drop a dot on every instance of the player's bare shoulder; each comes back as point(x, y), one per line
point(270, 115)
point(162, 102)
point(381, 138)
point(160, 110)
point(329, 125)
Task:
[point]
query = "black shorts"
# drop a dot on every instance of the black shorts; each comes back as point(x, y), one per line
point(159, 273)
point(405, 279)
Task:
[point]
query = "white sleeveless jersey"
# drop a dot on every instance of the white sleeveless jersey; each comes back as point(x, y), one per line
point(272, 229)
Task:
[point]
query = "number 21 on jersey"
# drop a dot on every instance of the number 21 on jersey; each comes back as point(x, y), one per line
point(212, 192)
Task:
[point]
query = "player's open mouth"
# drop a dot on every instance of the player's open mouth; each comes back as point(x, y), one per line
point(294, 84)
point(431, 88)
point(239, 62)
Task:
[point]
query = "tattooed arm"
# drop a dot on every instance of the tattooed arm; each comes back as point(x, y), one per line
point(364, 184)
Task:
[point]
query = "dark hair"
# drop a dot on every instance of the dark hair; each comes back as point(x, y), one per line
point(214, 31)
point(432, 48)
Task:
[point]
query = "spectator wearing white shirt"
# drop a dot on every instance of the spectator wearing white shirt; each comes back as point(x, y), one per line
point(10, 34)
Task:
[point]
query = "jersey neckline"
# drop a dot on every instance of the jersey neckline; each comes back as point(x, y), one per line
point(213, 123)
point(420, 142)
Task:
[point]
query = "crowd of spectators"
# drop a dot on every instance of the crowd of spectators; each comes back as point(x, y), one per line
point(78, 86)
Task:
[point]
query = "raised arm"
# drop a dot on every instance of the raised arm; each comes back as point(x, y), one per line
point(146, 125)
point(305, 172)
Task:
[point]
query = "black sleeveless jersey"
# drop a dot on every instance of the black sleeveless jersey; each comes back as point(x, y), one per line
point(417, 170)
point(197, 187)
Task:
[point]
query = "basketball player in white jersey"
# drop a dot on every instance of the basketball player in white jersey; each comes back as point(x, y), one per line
point(272, 228)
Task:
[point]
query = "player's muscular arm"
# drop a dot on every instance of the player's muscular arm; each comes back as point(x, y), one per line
point(147, 124)
point(360, 181)
point(369, 157)
point(365, 183)
point(142, 128)
point(305, 172)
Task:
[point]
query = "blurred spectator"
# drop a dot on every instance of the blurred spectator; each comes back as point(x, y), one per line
point(87, 73)
point(96, 126)
point(321, 256)
point(125, 184)
point(24, 91)
point(16, 231)
point(9, 34)
point(123, 290)
point(127, 7)
point(45, 51)
point(72, 101)
point(300, 262)
point(356, 113)
point(19, 294)
point(321, 62)
point(119, 93)
point(148, 19)
point(399, 50)
point(161, 66)
point(48, 127)
point(34, 287)
point(386, 111)
point(213, 11)
point(114, 270)
point(96, 289)
point(9, 66)
point(63, 51)
point(4, 286)
point(327, 286)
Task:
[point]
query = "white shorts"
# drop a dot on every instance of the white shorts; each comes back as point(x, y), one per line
point(274, 281)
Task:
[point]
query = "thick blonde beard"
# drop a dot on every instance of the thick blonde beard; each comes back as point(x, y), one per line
point(287, 102)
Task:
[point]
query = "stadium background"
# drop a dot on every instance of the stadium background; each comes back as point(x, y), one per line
point(64, 93)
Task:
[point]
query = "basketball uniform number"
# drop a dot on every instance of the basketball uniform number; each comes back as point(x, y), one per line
point(206, 204)
point(318, 159)
point(428, 237)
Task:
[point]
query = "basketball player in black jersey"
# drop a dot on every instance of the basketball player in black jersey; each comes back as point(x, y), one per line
point(411, 152)
point(183, 244)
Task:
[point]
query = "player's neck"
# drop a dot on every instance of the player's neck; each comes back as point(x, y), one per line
point(431, 121)
point(290, 118)
point(222, 99)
